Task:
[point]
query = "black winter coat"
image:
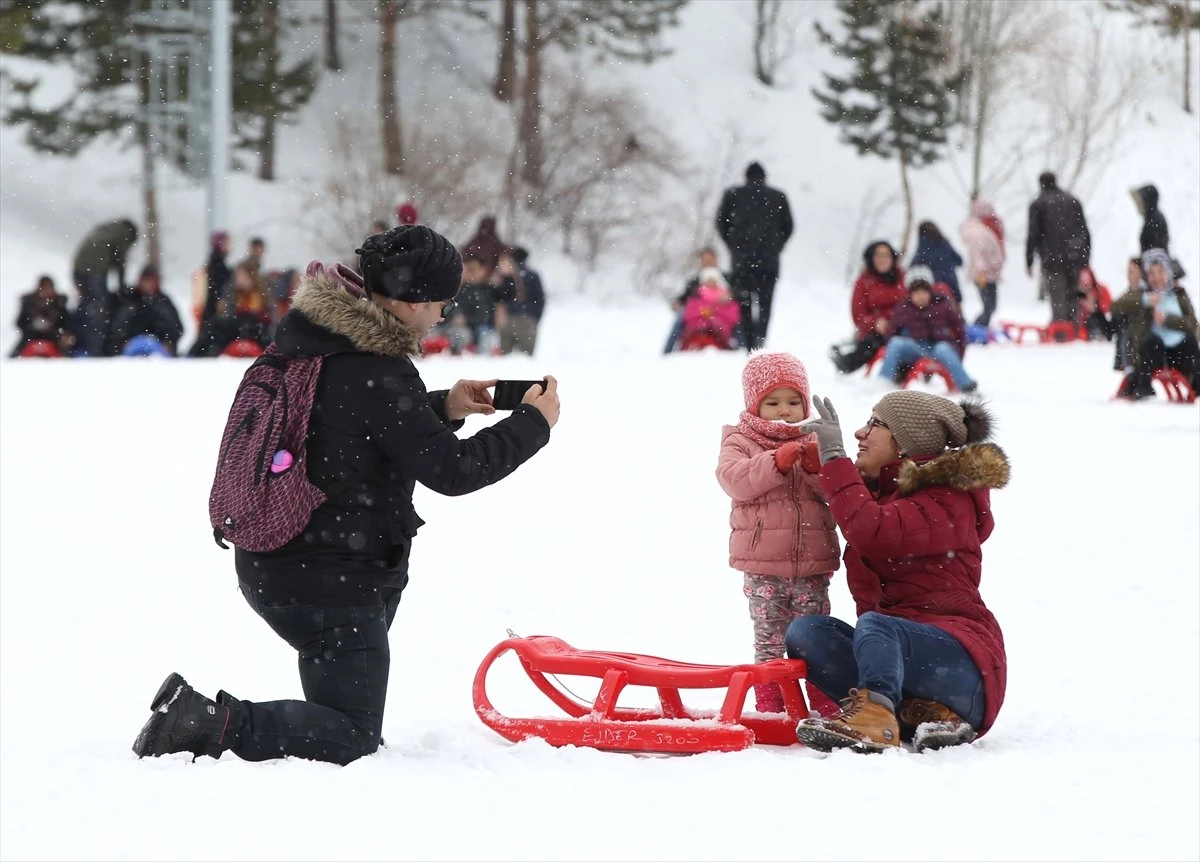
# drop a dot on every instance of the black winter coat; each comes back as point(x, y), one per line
point(145, 315)
point(755, 222)
point(1058, 233)
point(373, 423)
point(1154, 229)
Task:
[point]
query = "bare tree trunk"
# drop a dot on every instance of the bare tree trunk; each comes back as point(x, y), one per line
point(906, 192)
point(531, 109)
point(150, 202)
point(266, 144)
point(149, 192)
point(333, 57)
point(504, 87)
point(389, 108)
point(1187, 70)
point(760, 43)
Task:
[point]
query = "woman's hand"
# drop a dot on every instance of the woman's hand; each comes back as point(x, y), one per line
point(827, 429)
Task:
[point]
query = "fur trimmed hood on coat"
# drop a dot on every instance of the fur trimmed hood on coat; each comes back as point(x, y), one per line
point(331, 305)
point(971, 467)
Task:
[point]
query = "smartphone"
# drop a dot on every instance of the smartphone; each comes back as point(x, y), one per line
point(509, 393)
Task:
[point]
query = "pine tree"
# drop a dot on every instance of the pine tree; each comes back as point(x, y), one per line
point(266, 92)
point(112, 84)
point(895, 101)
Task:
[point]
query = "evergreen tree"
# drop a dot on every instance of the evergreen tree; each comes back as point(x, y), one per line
point(112, 84)
point(266, 91)
point(86, 36)
point(895, 101)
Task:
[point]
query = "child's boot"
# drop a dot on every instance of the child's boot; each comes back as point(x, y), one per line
point(768, 697)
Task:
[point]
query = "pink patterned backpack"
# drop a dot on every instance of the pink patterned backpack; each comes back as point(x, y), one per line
point(261, 497)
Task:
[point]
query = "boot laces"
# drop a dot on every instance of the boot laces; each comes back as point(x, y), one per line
point(852, 704)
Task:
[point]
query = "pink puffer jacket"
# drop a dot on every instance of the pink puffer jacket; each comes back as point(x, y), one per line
point(781, 524)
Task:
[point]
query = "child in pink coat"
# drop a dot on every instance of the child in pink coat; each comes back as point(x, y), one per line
point(783, 537)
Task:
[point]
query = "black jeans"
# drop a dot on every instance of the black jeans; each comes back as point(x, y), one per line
point(988, 294)
point(861, 353)
point(1152, 355)
point(751, 282)
point(344, 658)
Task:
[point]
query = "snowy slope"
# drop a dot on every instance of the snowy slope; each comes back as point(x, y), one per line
point(614, 537)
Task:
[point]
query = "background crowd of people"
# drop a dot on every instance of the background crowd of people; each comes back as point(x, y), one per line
point(903, 315)
point(900, 314)
point(236, 306)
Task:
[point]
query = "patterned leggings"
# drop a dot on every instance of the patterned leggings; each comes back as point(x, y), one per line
point(775, 601)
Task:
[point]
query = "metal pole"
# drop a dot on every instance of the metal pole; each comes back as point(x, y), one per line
point(222, 111)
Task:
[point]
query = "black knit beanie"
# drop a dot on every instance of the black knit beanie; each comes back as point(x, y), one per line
point(410, 263)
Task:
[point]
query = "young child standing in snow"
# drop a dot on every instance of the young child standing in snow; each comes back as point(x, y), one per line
point(783, 537)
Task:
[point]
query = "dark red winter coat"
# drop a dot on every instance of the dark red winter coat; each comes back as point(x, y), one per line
point(938, 321)
point(874, 296)
point(913, 548)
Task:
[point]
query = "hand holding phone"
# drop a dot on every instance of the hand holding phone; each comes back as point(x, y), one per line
point(510, 393)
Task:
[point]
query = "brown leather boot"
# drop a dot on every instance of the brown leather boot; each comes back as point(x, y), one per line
point(934, 725)
point(867, 723)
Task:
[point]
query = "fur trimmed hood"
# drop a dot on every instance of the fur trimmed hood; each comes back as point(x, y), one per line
point(978, 465)
point(330, 305)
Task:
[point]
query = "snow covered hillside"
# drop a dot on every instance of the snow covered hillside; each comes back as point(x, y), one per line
point(614, 537)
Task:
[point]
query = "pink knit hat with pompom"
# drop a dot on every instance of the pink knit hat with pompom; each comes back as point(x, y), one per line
point(766, 372)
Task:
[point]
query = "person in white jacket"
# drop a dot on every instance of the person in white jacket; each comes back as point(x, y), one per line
point(983, 236)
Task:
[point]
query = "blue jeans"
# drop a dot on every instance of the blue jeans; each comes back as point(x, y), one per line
point(344, 658)
point(902, 350)
point(675, 333)
point(894, 657)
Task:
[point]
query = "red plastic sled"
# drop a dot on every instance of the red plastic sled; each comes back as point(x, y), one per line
point(670, 728)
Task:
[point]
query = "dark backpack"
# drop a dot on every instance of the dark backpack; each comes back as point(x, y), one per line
point(250, 505)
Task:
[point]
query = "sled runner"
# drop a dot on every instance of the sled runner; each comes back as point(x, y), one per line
point(670, 728)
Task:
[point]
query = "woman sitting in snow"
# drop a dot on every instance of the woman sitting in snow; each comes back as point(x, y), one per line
point(914, 510)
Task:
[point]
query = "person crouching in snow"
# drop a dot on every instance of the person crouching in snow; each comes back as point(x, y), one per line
point(914, 509)
point(783, 537)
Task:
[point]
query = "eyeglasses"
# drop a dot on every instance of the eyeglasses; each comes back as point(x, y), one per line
point(448, 308)
point(875, 422)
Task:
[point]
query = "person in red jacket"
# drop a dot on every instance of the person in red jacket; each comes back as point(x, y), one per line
point(914, 509)
point(878, 290)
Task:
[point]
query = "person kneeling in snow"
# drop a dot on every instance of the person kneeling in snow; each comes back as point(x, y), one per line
point(914, 510)
point(332, 591)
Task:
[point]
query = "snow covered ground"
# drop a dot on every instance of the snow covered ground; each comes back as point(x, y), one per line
point(614, 537)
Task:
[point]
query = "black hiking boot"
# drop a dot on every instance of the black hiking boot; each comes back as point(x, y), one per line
point(183, 720)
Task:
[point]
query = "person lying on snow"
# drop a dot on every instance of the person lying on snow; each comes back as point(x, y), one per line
point(925, 661)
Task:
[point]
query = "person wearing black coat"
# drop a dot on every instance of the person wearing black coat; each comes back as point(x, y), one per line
point(1058, 234)
point(147, 311)
point(43, 316)
point(755, 222)
point(1154, 225)
point(375, 431)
